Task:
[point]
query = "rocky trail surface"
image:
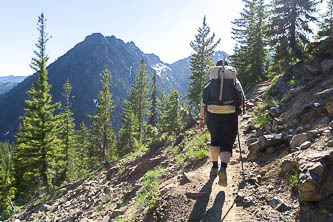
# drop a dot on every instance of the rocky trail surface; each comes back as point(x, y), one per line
point(288, 172)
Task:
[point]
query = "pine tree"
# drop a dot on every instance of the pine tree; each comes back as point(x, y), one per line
point(67, 132)
point(39, 154)
point(326, 25)
point(129, 131)
point(288, 29)
point(170, 118)
point(204, 46)
point(7, 190)
point(321, 49)
point(250, 55)
point(102, 134)
point(141, 102)
point(81, 155)
point(135, 112)
point(153, 111)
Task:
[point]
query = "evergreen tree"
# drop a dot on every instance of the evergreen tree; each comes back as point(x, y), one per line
point(153, 111)
point(135, 112)
point(39, 154)
point(204, 46)
point(141, 102)
point(325, 35)
point(102, 135)
point(129, 131)
point(288, 29)
point(81, 154)
point(67, 131)
point(326, 25)
point(170, 119)
point(250, 55)
point(7, 190)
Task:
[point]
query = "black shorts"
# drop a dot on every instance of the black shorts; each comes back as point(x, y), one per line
point(223, 129)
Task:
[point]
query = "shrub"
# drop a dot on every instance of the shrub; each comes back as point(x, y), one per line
point(262, 119)
point(148, 193)
point(293, 179)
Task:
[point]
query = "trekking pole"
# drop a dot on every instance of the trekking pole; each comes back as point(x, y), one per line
point(240, 154)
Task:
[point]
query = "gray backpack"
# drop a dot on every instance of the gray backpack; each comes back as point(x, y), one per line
point(221, 95)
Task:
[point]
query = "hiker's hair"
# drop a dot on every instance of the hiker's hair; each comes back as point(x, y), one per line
point(220, 62)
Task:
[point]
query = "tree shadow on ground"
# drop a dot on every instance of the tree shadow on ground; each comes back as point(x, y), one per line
point(199, 212)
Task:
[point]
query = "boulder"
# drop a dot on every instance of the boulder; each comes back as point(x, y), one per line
point(262, 143)
point(325, 93)
point(315, 178)
point(327, 66)
point(239, 199)
point(265, 141)
point(279, 205)
point(252, 140)
point(270, 150)
point(330, 143)
point(305, 145)
point(312, 134)
point(297, 140)
point(184, 179)
point(274, 111)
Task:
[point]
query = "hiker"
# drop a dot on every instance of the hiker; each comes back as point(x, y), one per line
point(223, 99)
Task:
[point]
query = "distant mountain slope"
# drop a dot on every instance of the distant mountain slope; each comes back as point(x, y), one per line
point(9, 82)
point(82, 65)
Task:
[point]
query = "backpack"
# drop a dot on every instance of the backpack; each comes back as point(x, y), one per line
point(220, 94)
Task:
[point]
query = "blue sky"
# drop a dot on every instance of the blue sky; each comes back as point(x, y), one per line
point(163, 27)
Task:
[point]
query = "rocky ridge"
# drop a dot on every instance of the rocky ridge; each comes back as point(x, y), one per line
point(290, 158)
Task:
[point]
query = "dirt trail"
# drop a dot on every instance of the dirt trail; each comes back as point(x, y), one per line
point(217, 203)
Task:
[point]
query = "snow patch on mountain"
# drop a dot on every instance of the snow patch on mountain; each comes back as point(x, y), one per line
point(130, 72)
point(160, 68)
point(95, 102)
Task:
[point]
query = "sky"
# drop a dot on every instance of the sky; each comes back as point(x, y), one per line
point(162, 27)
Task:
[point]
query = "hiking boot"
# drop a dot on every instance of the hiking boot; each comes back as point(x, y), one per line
point(213, 172)
point(222, 173)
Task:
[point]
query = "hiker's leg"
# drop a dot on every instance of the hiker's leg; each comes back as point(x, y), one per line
point(214, 153)
point(225, 157)
point(227, 137)
point(214, 140)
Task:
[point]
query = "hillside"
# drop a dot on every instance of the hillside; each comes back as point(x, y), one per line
point(288, 161)
point(9, 82)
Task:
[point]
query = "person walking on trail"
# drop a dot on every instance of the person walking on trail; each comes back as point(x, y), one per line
point(223, 99)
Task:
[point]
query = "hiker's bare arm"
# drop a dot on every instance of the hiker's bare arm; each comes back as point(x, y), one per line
point(202, 113)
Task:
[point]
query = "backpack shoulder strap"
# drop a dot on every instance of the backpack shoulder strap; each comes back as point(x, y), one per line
point(221, 75)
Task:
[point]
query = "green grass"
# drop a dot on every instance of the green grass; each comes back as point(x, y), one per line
point(293, 179)
point(149, 191)
point(122, 170)
point(197, 154)
point(262, 119)
point(196, 148)
point(180, 160)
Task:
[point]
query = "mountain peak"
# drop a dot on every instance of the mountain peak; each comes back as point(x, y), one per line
point(94, 36)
